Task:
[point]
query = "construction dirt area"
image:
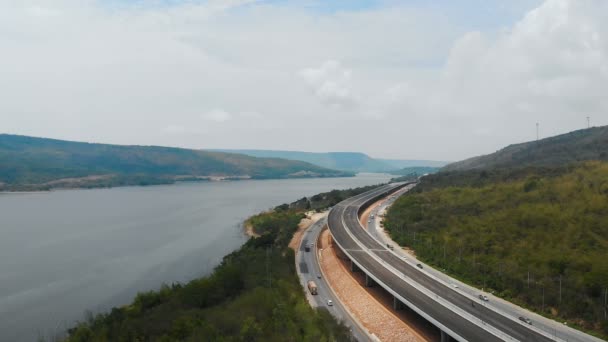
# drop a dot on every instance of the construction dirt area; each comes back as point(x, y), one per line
point(372, 306)
point(368, 211)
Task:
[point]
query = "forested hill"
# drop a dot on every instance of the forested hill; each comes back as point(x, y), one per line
point(28, 163)
point(585, 144)
point(527, 223)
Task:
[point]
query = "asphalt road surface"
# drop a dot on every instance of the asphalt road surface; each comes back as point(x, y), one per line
point(309, 269)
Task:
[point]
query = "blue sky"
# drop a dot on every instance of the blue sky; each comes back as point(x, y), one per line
point(475, 13)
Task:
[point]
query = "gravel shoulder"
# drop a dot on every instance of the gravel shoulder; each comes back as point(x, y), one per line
point(370, 305)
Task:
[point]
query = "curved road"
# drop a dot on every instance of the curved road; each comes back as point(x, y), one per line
point(456, 313)
point(309, 269)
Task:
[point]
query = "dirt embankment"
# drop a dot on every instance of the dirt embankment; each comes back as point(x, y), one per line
point(372, 306)
point(365, 215)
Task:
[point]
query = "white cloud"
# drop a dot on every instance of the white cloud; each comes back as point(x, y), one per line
point(217, 115)
point(418, 82)
point(331, 84)
point(547, 68)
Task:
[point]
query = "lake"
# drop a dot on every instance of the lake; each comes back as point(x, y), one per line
point(65, 252)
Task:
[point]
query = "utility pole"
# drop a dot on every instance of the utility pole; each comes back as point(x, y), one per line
point(606, 303)
point(474, 257)
point(560, 289)
point(268, 277)
point(543, 309)
point(588, 123)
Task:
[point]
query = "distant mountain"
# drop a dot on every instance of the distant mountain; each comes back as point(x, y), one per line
point(581, 145)
point(28, 163)
point(415, 171)
point(348, 161)
point(397, 164)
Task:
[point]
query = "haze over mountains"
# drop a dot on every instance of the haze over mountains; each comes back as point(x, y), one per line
point(346, 161)
point(28, 163)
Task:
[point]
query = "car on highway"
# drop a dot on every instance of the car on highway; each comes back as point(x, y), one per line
point(525, 320)
point(330, 302)
point(419, 266)
point(483, 297)
point(455, 286)
point(318, 276)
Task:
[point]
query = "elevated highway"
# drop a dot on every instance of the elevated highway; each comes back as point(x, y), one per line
point(457, 315)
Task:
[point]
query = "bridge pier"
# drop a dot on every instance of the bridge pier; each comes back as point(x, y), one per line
point(397, 305)
point(353, 267)
point(369, 282)
point(445, 337)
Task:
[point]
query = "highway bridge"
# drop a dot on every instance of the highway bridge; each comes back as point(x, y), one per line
point(458, 315)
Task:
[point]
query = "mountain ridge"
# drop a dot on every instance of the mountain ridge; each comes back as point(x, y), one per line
point(31, 163)
point(579, 145)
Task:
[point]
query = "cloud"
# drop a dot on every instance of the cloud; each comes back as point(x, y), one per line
point(551, 65)
point(331, 84)
point(439, 81)
point(217, 115)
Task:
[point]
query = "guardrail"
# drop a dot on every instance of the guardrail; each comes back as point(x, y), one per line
point(373, 200)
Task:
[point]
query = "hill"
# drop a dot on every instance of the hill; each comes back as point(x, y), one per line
point(527, 223)
point(584, 144)
point(28, 163)
point(414, 171)
point(347, 161)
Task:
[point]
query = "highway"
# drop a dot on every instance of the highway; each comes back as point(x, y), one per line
point(453, 311)
point(309, 269)
point(553, 328)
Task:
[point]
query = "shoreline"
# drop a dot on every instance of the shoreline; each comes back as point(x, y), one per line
point(43, 189)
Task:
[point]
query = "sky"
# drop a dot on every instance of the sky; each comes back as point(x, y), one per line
point(410, 79)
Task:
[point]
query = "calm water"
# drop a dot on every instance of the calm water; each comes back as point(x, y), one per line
point(65, 252)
